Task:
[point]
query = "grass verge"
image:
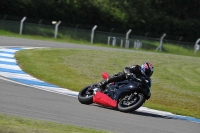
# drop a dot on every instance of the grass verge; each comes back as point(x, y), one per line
point(12, 124)
point(175, 86)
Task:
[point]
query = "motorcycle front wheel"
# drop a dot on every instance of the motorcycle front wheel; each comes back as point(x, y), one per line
point(130, 102)
point(85, 96)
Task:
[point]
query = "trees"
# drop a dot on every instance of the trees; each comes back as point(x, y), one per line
point(170, 16)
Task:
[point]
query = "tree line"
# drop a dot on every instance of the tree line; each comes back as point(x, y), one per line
point(179, 19)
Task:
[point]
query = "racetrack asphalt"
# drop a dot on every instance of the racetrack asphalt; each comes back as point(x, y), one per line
point(25, 101)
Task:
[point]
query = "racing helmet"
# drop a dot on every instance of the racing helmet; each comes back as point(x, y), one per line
point(147, 69)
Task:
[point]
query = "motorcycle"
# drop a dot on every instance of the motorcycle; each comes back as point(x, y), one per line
point(125, 96)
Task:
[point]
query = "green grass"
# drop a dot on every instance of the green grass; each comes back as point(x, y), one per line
point(176, 78)
point(12, 124)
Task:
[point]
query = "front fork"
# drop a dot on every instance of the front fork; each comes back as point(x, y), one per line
point(130, 99)
point(132, 96)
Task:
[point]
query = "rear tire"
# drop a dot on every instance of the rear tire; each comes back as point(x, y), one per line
point(85, 96)
point(138, 102)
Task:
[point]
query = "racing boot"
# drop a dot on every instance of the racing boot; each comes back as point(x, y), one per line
point(114, 78)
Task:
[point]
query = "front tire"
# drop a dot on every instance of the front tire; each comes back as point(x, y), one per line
point(85, 96)
point(128, 105)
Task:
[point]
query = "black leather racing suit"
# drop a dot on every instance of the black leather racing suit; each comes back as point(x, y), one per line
point(135, 70)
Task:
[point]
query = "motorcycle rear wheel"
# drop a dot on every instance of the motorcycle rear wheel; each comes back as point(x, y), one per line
point(85, 96)
point(123, 103)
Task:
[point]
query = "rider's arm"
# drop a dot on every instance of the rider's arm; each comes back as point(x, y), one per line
point(132, 70)
point(129, 72)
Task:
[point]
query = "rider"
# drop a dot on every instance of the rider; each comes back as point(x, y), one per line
point(136, 71)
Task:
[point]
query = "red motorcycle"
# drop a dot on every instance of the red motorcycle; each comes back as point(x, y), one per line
point(125, 96)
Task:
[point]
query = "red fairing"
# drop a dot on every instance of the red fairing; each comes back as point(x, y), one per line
point(103, 99)
point(105, 75)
